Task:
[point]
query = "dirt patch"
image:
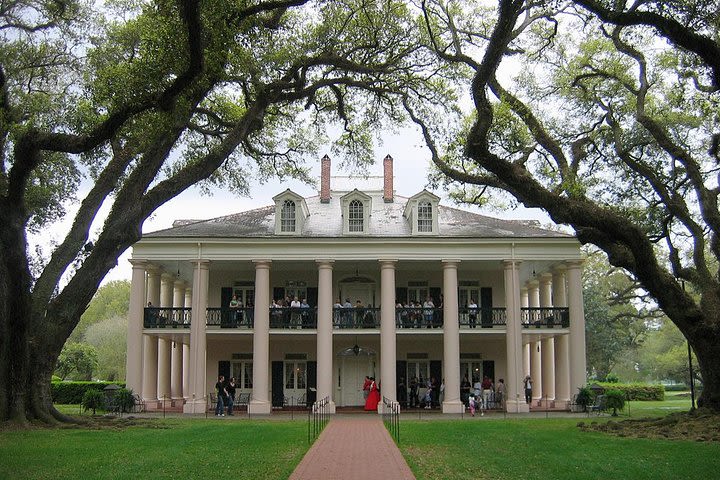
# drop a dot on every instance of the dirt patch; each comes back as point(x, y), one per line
point(701, 425)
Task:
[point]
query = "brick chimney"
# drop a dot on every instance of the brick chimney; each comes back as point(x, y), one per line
point(325, 180)
point(388, 179)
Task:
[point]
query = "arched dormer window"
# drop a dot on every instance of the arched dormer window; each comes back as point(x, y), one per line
point(425, 217)
point(356, 219)
point(287, 216)
point(291, 211)
point(421, 212)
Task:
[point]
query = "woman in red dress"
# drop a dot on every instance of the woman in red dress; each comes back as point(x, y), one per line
point(373, 397)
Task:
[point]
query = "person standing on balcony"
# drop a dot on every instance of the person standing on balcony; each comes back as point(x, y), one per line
point(428, 311)
point(472, 312)
point(234, 306)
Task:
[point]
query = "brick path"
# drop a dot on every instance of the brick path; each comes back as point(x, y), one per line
point(353, 448)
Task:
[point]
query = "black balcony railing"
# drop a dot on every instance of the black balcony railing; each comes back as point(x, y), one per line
point(156, 317)
point(418, 317)
point(230, 317)
point(545, 317)
point(481, 317)
point(293, 317)
point(356, 317)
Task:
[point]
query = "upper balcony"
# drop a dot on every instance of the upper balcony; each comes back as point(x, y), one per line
point(357, 318)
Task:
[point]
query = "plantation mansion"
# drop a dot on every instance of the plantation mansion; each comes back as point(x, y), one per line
point(302, 299)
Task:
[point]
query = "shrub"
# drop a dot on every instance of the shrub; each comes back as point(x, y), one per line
point(93, 400)
point(125, 400)
point(637, 391)
point(677, 387)
point(615, 399)
point(584, 397)
point(72, 392)
point(612, 378)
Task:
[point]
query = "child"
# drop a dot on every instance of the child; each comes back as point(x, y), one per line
point(471, 404)
point(428, 397)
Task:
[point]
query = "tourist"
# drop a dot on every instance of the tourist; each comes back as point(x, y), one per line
point(428, 311)
point(230, 389)
point(413, 392)
point(373, 398)
point(472, 312)
point(465, 390)
point(527, 382)
point(487, 389)
point(500, 392)
point(221, 394)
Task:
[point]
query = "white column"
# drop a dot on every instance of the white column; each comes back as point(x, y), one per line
point(578, 365)
point(535, 347)
point(513, 339)
point(451, 339)
point(176, 363)
point(562, 344)
point(524, 302)
point(197, 394)
point(260, 402)
point(133, 365)
point(388, 347)
point(325, 333)
point(186, 352)
point(164, 344)
point(150, 343)
point(548, 345)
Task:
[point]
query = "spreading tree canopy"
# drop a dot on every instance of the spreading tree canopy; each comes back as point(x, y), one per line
point(604, 114)
point(125, 104)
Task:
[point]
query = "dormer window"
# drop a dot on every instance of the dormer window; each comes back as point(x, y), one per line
point(421, 211)
point(356, 208)
point(425, 217)
point(290, 213)
point(287, 216)
point(355, 216)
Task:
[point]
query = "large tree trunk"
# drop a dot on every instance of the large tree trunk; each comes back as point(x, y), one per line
point(706, 345)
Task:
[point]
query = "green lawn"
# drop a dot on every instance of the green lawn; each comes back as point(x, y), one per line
point(472, 448)
point(180, 449)
point(546, 449)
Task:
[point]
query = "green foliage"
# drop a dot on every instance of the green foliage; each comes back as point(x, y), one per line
point(72, 392)
point(615, 399)
point(665, 356)
point(612, 378)
point(111, 300)
point(93, 400)
point(77, 360)
point(584, 397)
point(637, 391)
point(109, 337)
point(125, 400)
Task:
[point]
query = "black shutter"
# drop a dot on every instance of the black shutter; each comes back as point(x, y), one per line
point(311, 395)
point(312, 296)
point(226, 294)
point(486, 307)
point(224, 369)
point(279, 293)
point(401, 378)
point(435, 295)
point(489, 369)
point(278, 392)
point(437, 314)
point(401, 294)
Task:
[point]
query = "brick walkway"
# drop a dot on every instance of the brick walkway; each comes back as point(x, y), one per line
point(353, 448)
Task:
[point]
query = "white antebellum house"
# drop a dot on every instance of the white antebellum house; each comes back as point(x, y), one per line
point(358, 241)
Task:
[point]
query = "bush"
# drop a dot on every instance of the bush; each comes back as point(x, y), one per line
point(612, 378)
point(637, 391)
point(73, 392)
point(584, 397)
point(125, 400)
point(93, 400)
point(615, 399)
point(677, 387)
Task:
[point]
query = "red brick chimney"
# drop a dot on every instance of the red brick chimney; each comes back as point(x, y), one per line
point(388, 179)
point(325, 180)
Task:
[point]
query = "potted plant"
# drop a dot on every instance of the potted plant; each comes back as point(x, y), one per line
point(93, 400)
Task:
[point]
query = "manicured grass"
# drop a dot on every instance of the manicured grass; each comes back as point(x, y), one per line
point(178, 448)
point(546, 449)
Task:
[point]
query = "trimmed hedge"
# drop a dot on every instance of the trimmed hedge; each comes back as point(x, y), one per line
point(637, 391)
point(73, 392)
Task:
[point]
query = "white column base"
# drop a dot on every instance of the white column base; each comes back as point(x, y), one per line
point(453, 407)
point(257, 407)
point(150, 399)
point(195, 406)
point(513, 406)
point(175, 401)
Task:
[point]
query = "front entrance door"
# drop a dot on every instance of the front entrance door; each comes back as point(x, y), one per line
point(295, 382)
point(353, 370)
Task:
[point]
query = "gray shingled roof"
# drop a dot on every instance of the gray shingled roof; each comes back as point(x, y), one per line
point(325, 220)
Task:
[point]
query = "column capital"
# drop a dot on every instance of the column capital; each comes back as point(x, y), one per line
point(324, 263)
point(559, 269)
point(153, 269)
point(138, 263)
point(262, 263)
point(387, 262)
point(200, 263)
point(545, 277)
point(180, 283)
point(574, 264)
point(450, 263)
point(511, 263)
point(533, 283)
point(166, 276)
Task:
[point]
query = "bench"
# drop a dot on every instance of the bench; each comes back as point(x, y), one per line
point(599, 406)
